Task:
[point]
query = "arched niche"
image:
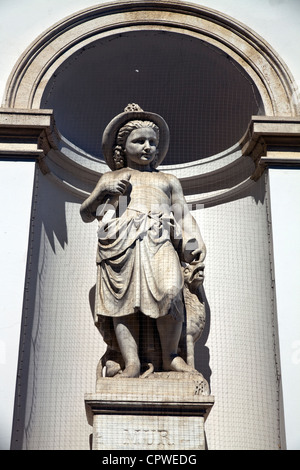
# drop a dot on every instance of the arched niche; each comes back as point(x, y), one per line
point(215, 74)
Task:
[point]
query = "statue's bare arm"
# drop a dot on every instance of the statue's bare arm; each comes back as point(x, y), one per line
point(196, 250)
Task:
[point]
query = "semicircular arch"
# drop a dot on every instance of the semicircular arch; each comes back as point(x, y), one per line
point(40, 61)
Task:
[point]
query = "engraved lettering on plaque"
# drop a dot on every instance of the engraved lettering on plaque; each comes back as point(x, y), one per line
point(147, 437)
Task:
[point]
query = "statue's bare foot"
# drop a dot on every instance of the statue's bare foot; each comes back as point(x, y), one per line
point(177, 364)
point(112, 368)
point(131, 371)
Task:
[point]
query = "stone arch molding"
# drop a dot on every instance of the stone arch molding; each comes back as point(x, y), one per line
point(32, 72)
point(34, 69)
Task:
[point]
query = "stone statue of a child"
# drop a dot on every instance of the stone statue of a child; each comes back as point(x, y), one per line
point(145, 232)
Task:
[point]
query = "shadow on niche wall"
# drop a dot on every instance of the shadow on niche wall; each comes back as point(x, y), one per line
point(48, 224)
point(54, 213)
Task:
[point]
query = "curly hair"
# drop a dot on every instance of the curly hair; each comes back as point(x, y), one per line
point(119, 149)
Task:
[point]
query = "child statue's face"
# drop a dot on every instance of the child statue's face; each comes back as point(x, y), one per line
point(141, 147)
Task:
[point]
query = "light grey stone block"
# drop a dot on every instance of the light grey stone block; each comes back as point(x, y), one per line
point(148, 414)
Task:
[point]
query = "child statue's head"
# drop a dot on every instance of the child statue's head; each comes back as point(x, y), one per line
point(119, 155)
point(118, 130)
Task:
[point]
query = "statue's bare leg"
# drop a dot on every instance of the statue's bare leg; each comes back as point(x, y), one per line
point(127, 333)
point(169, 334)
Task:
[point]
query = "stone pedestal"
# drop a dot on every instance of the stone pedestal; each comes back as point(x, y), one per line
point(148, 414)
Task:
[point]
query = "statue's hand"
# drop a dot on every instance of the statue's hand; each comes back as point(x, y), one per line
point(196, 255)
point(117, 187)
point(199, 254)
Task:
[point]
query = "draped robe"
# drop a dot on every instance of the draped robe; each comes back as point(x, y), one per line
point(138, 266)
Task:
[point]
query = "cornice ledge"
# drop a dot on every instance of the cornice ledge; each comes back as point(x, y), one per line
point(272, 140)
point(23, 134)
point(32, 120)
